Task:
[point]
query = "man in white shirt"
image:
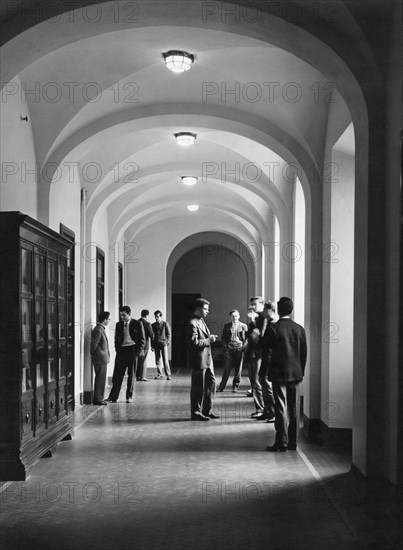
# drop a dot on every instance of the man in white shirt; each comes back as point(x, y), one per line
point(129, 343)
point(234, 342)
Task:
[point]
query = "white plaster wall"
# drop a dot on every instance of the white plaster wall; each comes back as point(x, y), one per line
point(99, 237)
point(338, 336)
point(299, 264)
point(336, 330)
point(64, 207)
point(18, 189)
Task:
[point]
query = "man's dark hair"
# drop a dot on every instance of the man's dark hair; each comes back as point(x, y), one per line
point(233, 311)
point(158, 312)
point(103, 315)
point(126, 309)
point(258, 298)
point(200, 302)
point(144, 312)
point(285, 306)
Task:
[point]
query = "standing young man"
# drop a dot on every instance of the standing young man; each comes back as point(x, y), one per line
point(162, 338)
point(285, 348)
point(234, 342)
point(129, 342)
point(100, 356)
point(149, 336)
point(198, 343)
point(264, 400)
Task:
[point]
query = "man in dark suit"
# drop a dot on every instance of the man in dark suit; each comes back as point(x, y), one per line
point(100, 356)
point(149, 335)
point(129, 342)
point(198, 343)
point(285, 349)
point(261, 388)
point(160, 343)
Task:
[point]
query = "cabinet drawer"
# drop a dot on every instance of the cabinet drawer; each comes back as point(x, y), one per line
point(27, 419)
point(62, 399)
point(40, 411)
point(52, 403)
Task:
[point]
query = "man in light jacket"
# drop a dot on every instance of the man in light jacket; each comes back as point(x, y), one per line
point(198, 342)
point(100, 356)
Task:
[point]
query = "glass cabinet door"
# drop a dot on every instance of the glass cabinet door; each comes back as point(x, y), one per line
point(26, 271)
point(26, 381)
point(40, 321)
point(62, 320)
point(26, 320)
point(39, 275)
point(52, 371)
point(40, 366)
point(52, 278)
point(52, 321)
point(62, 280)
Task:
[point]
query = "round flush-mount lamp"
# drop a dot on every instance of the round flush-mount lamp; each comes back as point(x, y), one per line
point(185, 138)
point(178, 61)
point(192, 207)
point(189, 180)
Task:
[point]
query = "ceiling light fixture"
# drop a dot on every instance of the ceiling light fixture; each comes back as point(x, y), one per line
point(185, 138)
point(192, 207)
point(178, 61)
point(189, 180)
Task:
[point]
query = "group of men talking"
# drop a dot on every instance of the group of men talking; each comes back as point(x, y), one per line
point(274, 350)
point(133, 339)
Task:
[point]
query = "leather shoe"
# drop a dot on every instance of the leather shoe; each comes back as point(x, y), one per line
point(262, 416)
point(271, 419)
point(110, 400)
point(129, 400)
point(276, 448)
point(214, 415)
point(200, 416)
point(255, 414)
point(100, 402)
point(219, 389)
point(292, 447)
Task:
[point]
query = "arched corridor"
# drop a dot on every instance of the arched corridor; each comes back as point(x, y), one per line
point(291, 187)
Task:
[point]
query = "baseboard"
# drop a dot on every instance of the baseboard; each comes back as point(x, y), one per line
point(88, 397)
point(337, 438)
point(318, 432)
point(311, 429)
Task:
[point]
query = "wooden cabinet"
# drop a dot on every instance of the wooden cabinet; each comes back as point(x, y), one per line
point(33, 343)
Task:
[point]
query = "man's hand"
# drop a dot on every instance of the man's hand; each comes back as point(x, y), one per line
point(213, 337)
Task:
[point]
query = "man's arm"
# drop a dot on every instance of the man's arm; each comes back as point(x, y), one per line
point(193, 337)
point(224, 337)
point(167, 332)
point(267, 342)
point(118, 343)
point(303, 351)
point(141, 339)
point(150, 332)
point(95, 339)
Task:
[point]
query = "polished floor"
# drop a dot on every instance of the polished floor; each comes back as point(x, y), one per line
point(143, 476)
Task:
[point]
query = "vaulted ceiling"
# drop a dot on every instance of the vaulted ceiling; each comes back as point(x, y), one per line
point(100, 96)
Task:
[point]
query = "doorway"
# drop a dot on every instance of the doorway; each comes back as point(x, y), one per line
point(182, 310)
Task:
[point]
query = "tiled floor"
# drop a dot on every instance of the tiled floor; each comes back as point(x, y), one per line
point(143, 476)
